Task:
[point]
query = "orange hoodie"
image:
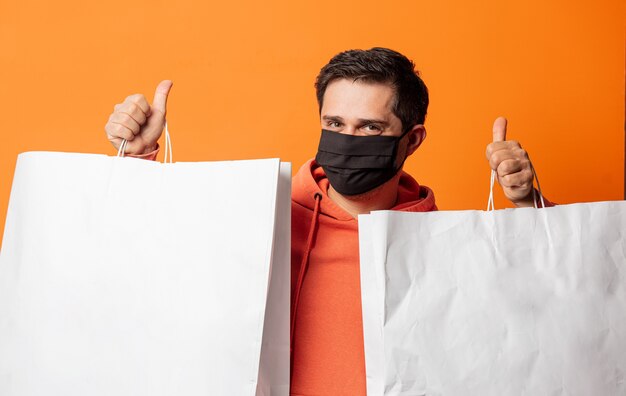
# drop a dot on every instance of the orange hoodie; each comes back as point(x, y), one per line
point(327, 327)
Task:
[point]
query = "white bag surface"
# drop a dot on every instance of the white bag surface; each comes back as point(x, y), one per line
point(511, 302)
point(121, 276)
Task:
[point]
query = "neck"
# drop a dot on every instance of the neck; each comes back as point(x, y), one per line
point(381, 198)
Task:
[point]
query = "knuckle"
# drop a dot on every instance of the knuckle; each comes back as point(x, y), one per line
point(528, 175)
point(123, 132)
point(501, 169)
point(131, 108)
point(497, 157)
point(135, 98)
point(510, 166)
point(512, 180)
point(137, 113)
point(123, 108)
point(505, 167)
point(124, 119)
point(520, 152)
point(141, 118)
point(130, 121)
point(110, 131)
point(143, 103)
point(493, 163)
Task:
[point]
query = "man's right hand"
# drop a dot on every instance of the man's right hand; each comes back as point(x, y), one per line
point(138, 122)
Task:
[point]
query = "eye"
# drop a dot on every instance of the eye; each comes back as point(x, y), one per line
point(333, 124)
point(373, 128)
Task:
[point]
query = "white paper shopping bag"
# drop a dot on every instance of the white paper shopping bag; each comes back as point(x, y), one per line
point(509, 302)
point(121, 276)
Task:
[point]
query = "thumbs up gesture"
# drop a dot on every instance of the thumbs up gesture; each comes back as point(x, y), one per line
point(512, 166)
point(140, 123)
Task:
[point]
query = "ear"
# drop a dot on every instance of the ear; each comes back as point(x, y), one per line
point(416, 136)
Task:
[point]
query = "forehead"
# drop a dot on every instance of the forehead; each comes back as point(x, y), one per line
point(358, 99)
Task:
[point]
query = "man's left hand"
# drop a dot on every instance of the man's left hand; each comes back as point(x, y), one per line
point(512, 166)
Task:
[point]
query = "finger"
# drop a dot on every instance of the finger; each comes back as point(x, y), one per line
point(499, 129)
point(516, 154)
point(135, 112)
point(499, 156)
point(114, 130)
point(125, 120)
point(494, 147)
point(522, 179)
point(138, 100)
point(116, 142)
point(135, 147)
point(511, 166)
point(517, 193)
point(160, 95)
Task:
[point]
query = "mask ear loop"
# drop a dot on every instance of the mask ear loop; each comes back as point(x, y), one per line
point(396, 150)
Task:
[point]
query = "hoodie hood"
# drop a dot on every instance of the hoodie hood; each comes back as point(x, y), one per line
point(311, 180)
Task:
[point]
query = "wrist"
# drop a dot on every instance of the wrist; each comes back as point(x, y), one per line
point(149, 149)
point(533, 200)
point(528, 201)
point(150, 155)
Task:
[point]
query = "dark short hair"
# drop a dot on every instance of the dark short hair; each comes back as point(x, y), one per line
point(380, 65)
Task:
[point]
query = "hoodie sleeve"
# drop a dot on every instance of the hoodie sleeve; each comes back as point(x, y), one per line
point(548, 203)
point(148, 156)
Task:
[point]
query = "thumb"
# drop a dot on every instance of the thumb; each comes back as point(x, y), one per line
point(160, 95)
point(499, 129)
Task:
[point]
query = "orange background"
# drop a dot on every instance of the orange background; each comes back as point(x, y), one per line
point(243, 77)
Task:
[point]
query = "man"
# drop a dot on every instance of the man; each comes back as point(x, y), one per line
point(372, 109)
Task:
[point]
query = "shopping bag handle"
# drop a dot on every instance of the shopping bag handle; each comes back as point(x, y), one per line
point(168, 147)
point(490, 205)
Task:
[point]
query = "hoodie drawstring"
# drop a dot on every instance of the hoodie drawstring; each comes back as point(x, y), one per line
point(305, 263)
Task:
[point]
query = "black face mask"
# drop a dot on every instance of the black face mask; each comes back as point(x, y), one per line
point(357, 164)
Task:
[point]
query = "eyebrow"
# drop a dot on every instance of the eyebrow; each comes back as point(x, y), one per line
point(332, 118)
point(365, 121)
point(362, 121)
